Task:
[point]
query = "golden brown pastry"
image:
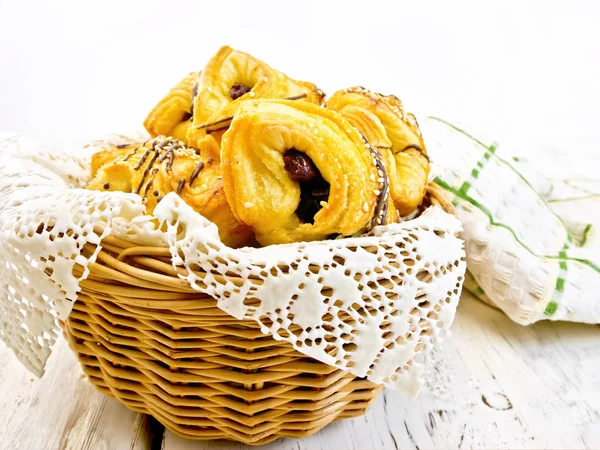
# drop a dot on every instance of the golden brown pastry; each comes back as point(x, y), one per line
point(109, 155)
point(164, 165)
point(210, 147)
point(395, 133)
point(172, 115)
point(294, 171)
point(230, 78)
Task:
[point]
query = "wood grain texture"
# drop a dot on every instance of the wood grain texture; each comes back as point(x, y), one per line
point(62, 410)
point(496, 385)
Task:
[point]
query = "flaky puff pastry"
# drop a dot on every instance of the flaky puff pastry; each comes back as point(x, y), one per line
point(294, 171)
point(109, 155)
point(395, 133)
point(230, 78)
point(172, 116)
point(164, 165)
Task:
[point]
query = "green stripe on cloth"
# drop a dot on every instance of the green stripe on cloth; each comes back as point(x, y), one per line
point(458, 129)
point(563, 264)
point(464, 189)
point(460, 194)
point(573, 199)
point(551, 308)
point(517, 173)
point(585, 234)
point(483, 209)
point(559, 289)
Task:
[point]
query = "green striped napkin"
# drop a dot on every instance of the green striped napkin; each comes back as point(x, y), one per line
point(532, 242)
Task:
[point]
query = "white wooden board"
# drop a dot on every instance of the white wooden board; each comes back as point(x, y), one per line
point(496, 385)
point(63, 410)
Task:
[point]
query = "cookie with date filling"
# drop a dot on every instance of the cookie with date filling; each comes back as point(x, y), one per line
point(294, 171)
point(162, 165)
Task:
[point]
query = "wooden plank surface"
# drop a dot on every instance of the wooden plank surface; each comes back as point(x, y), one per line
point(63, 410)
point(496, 384)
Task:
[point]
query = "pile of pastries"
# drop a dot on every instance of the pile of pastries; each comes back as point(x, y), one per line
point(269, 160)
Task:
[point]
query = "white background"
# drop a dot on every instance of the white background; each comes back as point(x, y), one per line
point(526, 73)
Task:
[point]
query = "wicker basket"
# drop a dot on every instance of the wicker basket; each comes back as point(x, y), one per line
point(147, 338)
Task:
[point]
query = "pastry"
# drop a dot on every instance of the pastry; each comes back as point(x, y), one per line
point(395, 133)
point(230, 78)
point(164, 165)
point(256, 152)
point(294, 171)
point(172, 115)
point(109, 155)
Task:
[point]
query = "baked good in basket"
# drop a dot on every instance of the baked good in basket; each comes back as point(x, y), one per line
point(205, 102)
point(294, 171)
point(162, 165)
point(395, 133)
point(172, 116)
point(232, 76)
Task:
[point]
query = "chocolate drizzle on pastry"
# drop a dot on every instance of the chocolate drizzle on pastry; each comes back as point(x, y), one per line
point(382, 192)
point(313, 187)
point(143, 159)
point(169, 151)
point(146, 172)
point(129, 155)
point(121, 146)
point(164, 142)
point(224, 123)
point(180, 186)
point(147, 188)
point(320, 93)
point(162, 148)
point(296, 97)
point(415, 147)
point(196, 172)
point(219, 125)
point(168, 155)
point(194, 94)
